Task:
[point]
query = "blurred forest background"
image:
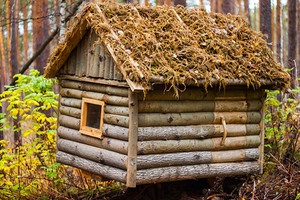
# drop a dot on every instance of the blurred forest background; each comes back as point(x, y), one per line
point(30, 30)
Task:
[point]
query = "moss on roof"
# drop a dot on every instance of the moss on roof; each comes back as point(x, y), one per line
point(179, 46)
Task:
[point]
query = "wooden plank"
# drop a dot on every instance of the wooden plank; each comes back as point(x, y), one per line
point(102, 60)
point(108, 99)
point(91, 166)
point(197, 118)
point(262, 138)
point(211, 144)
point(105, 143)
point(197, 157)
point(95, 80)
point(94, 87)
point(132, 140)
point(96, 154)
point(176, 173)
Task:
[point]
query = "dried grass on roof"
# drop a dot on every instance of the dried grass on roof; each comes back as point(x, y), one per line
point(185, 46)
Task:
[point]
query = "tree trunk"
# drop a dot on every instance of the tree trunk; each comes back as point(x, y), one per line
point(25, 27)
point(292, 40)
point(40, 32)
point(227, 6)
point(278, 31)
point(180, 2)
point(298, 36)
point(266, 19)
point(247, 10)
point(8, 47)
point(14, 38)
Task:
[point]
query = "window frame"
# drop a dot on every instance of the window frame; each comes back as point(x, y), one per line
point(87, 130)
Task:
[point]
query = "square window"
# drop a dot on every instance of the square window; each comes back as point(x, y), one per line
point(92, 117)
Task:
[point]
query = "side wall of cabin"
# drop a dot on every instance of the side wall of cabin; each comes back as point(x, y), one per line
point(90, 72)
point(182, 139)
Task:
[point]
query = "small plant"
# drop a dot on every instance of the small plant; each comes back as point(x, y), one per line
point(25, 166)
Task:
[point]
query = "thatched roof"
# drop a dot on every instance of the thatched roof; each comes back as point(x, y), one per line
point(176, 46)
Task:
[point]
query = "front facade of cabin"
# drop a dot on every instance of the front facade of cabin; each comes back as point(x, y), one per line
point(136, 138)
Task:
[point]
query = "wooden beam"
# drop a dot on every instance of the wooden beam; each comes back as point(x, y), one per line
point(132, 140)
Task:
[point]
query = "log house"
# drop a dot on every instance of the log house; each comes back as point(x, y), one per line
point(122, 122)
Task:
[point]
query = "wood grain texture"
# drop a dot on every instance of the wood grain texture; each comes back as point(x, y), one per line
point(96, 154)
point(211, 144)
point(176, 173)
point(91, 166)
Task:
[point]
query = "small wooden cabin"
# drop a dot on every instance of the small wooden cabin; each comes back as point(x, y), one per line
point(158, 94)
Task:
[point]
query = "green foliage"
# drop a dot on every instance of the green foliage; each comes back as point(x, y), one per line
point(28, 104)
point(28, 169)
point(282, 125)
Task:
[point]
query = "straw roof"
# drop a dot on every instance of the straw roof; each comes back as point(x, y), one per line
point(176, 46)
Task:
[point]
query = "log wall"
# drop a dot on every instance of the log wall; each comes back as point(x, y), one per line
point(89, 59)
point(82, 151)
point(181, 138)
point(177, 139)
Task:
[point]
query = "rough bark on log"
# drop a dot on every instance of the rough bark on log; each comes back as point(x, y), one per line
point(211, 144)
point(75, 135)
point(116, 120)
point(71, 102)
point(105, 143)
point(94, 87)
point(195, 131)
point(70, 122)
point(117, 110)
point(198, 106)
point(99, 155)
point(198, 157)
point(197, 118)
point(176, 173)
point(199, 94)
point(132, 140)
point(117, 132)
point(108, 99)
point(70, 111)
point(91, 166)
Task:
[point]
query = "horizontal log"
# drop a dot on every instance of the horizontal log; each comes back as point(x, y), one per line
point(195, 131)
point(199, 94)
point(108, 99)
point(96, 154)
point(113, 131)
point(197, 118)
point(117, 110)
point(91, 166)
point(176, 173)
point(198, 157)
point(70, 102)
point(198, 106)
point(68, 121)
point(105, 143)
point(76, 112)
point(211, 144)
point(70, 111)
point(116, 120)
point(94, 87)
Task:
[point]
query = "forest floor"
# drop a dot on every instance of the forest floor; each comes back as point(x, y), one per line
point(281, 182)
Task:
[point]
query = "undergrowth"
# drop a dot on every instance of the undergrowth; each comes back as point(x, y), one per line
point(28, 169)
